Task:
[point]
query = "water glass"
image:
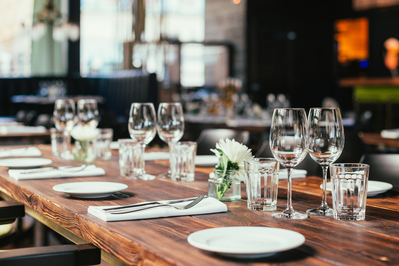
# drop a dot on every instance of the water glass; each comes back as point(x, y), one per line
point(262, 183)
point(182, 160)
point(102, 142)
point(349, 190)
point(130, 158)
point(60, 143)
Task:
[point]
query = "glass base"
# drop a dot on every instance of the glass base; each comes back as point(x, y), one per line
point(292, 216)
point(147, 177)
point(165, 175)
point(321, 211)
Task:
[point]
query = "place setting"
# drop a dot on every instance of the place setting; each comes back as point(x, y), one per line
point(19, 163)
point(20, 152)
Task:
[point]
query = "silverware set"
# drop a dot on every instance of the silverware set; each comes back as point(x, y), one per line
point(155, 204)
point(62, 168)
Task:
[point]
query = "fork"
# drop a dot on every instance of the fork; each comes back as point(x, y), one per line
point(62, 168)
point(185, 207)
point(142, 204)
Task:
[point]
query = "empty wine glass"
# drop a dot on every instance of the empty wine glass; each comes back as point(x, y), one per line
point(142, 128)
point(88, 112)
point(289, 145)
point(170, 124)
point(326, 142)
point(63, 116)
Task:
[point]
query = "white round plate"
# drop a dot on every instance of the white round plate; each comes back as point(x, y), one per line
point(246, 241)
point(374, 187)
point(206, 160)
point(86, 190)
point(25, 162)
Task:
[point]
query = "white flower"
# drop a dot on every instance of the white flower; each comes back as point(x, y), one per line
point(235, 152)
point(84, 133)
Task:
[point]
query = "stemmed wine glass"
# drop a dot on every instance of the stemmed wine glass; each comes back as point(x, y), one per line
point(326, 142)
point(170, 124)
point(63, 115)
point(142, 128)
point(88, 112)
point(289, 145)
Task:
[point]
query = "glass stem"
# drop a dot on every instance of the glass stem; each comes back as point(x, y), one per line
point(289, 209)
point(324, 198)
point(142, 164)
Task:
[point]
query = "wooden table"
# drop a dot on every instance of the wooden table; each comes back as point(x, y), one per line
point(376, 139)
point(27, 137)
point(164, 241)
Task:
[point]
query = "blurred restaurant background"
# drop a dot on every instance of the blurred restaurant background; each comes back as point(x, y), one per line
point(229, 62)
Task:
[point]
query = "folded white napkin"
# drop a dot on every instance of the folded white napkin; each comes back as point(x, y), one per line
point(149, 156)
point(21, 129)
point(20, 152)
point(296, 173)
point(390, 133)
point(207, 205)
point(49, 172)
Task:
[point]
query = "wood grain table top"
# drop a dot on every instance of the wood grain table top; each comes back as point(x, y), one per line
point(163, 241)
point(377, 139)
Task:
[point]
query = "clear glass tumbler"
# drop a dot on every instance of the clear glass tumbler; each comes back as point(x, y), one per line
point(262, 183)
point(349, 190)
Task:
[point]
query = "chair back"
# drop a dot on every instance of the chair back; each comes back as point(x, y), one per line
point(209, 137)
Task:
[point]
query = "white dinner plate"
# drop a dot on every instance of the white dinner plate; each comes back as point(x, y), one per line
point(25, 162)
point(374, 187)
point(87, 190)
point(206, 160)
point(246, 241)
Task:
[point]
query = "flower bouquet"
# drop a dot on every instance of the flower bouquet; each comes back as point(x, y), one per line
point(83, 150)
point(229, 172)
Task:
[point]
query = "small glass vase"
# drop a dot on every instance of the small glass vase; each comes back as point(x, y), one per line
point(225, 187)
point(83, 151)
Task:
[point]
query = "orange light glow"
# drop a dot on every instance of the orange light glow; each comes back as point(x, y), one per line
point(236, 2)
point(352, 37)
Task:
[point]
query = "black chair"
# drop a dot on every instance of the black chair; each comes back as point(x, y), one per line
point(21, 116)
point(61, 255)
point(308, 164)
point(383, 167)
point(209, 137)
point(44, 120)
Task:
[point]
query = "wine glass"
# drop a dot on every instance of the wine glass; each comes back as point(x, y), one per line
point(289, 145)
point(88, 112)
point(142, 128)
point(64, 114)
point(63, 117)
point(326, 142)
point(170, 124)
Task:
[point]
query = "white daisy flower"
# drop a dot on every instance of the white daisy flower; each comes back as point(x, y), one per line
point(236, 153)
point(84, 133)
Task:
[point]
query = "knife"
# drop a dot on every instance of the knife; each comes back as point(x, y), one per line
point(149, 203)
point(61, 168)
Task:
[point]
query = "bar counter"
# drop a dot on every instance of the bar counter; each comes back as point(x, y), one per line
point(163, 241)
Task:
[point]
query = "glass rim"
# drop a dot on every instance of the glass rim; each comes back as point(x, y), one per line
point(325, 108)
point(353, 165)
point(170, 103)
point(185, 143)
point(146, 103)
point(289, 108)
